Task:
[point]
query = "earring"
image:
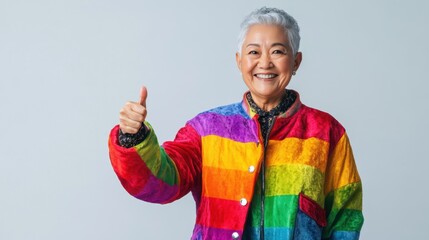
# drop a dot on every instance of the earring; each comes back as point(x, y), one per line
point(293, 72)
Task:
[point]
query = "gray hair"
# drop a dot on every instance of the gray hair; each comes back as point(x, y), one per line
point(273, 16)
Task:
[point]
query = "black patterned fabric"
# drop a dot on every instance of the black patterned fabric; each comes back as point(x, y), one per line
point(130, 140)
point(266, 119)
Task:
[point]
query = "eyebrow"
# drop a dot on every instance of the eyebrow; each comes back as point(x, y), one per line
point(279, 44)
point(272, 45)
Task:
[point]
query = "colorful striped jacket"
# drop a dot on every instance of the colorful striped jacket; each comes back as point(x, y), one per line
point(312, 187)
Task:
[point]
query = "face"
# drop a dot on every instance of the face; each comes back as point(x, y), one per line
point(266, 62)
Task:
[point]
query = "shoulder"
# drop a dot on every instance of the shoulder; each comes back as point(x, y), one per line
point(222, 117)
point(319, 116)
point(225, 111)
point(320, 123)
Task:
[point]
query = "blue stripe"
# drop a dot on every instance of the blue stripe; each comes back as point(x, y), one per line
point(306, 227)
point(345, 235)
point(270, 233)
point(228, 110)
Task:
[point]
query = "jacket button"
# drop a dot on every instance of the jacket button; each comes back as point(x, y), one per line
point(235, 235)
point(243, 202)
point(251, 169)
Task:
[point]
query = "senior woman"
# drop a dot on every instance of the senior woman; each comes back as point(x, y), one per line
point(268, 167)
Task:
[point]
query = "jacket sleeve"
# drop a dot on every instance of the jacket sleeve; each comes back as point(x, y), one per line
point(154, 173)
point(343, 191)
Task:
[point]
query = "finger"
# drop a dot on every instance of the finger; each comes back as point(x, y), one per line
point(143, 96)
point(133, 107)
point(134, 116)
point(127, 129)
point(137, 108)
point(129, 126)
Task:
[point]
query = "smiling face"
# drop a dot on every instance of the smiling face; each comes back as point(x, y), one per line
point(266, 63)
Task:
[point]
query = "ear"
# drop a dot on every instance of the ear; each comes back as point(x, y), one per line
point(238, 60)
point(298, 59)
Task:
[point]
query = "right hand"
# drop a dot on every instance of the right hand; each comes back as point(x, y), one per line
point(133, 114)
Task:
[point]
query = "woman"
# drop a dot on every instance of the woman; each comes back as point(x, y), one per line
point(268, 167)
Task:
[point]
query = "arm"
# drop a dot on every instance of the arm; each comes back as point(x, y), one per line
point(343, 191)
point(155, 173)
point(150, 172)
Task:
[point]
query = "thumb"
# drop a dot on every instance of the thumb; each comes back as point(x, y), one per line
point(143, 96)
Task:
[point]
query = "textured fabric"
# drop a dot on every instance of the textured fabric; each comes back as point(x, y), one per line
point(266, 119)
point(130, 140)
point(311, 177)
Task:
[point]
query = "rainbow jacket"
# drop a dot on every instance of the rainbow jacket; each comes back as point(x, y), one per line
point(312, 186)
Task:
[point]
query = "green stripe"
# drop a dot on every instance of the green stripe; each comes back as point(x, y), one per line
point(347, 220)
point(349, 196)
point(292, 179)
point(280, 211)
point(156, 159)
point(344, 208)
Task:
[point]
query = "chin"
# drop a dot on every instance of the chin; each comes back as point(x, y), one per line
point(265, 94)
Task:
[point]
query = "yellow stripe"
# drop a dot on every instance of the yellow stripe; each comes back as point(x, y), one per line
point(292, 179)
point(341, 169)
point(312, 152)
point(219, 152)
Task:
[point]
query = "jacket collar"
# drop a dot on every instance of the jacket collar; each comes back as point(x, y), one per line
point(291, 110)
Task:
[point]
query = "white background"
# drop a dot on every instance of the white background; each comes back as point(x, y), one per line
point(67, 67)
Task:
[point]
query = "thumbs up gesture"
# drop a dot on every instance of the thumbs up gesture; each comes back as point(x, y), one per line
point(133, 114)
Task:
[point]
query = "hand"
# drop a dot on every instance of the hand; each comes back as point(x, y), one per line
point(133, 114)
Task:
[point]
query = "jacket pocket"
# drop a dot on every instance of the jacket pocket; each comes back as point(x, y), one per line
point(310, 219)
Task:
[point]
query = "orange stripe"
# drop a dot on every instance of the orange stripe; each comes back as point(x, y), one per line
point(217, 183)
point(341, 169)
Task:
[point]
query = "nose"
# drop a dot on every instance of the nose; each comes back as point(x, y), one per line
point(265, 62)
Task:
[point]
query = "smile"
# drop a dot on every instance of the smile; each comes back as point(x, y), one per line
point(265, 76)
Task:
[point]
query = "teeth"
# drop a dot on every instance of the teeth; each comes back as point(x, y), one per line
point(266, 75)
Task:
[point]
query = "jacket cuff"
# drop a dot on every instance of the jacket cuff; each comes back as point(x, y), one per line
point(129, 140)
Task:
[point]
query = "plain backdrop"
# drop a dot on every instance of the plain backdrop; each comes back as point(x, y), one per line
point(67, 67)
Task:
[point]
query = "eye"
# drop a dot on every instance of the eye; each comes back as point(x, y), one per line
point(253, 52)
point(277, 51)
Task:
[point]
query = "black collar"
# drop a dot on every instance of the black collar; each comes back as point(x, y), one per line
point(287, 100)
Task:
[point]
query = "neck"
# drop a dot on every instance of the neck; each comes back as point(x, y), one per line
point(267, 104)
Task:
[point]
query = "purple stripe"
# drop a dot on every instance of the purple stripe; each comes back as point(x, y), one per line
point(234, 127)
point(207, 233)
point(163, 192)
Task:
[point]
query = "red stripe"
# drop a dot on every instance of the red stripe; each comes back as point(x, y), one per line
point(308, 123)
point(127, 164)
point(185, 151)
point(219, 213)
point(312, 209)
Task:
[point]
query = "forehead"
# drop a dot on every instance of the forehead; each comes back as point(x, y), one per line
point(265, 33)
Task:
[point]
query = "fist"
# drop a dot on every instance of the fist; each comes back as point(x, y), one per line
point(133, 114)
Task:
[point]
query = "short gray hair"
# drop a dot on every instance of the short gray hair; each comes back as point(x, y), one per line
point(273, 16)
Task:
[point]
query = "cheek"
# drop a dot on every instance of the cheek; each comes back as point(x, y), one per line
point(247, 65)
point(285, 66)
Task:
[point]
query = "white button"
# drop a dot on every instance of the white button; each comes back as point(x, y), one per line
point(251, 169)
point(243, 202)
point(235, 235)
